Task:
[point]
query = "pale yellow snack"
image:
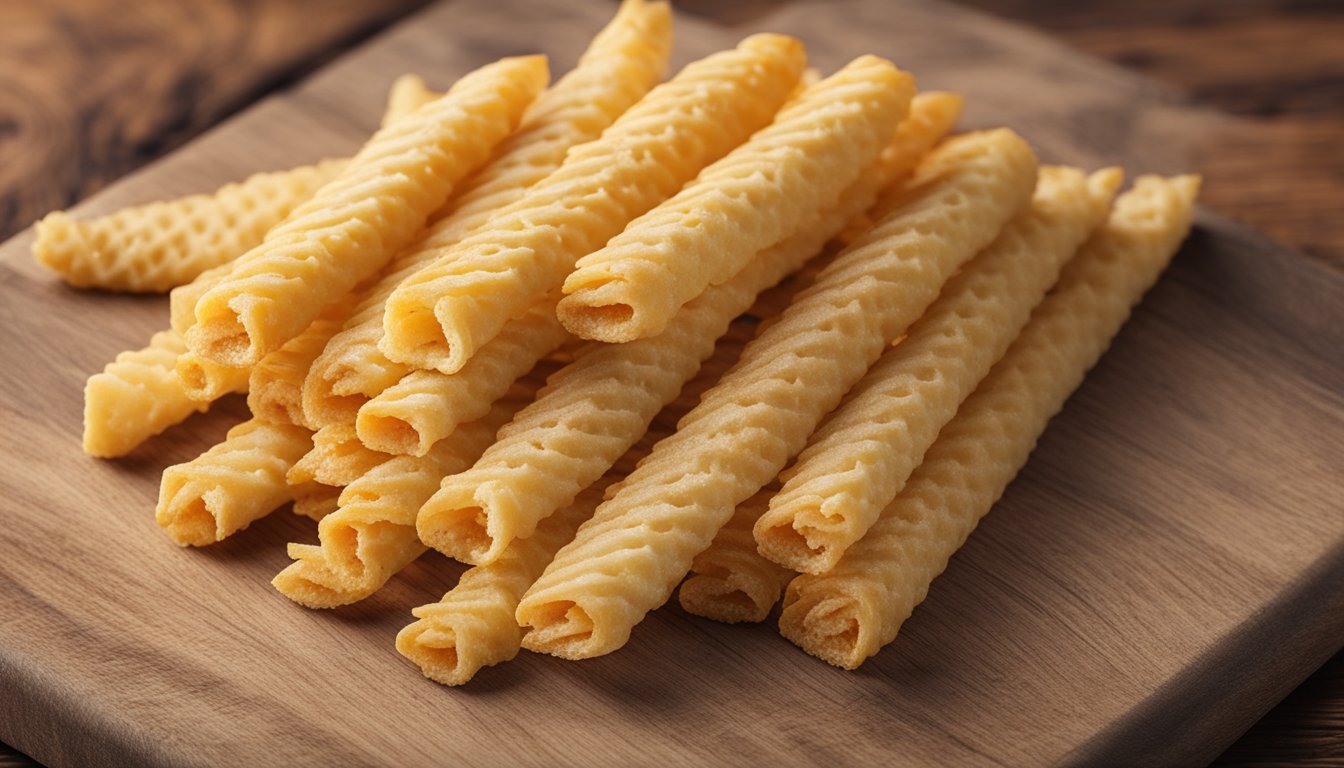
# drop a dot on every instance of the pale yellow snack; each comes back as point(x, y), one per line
point(225, 489)
point(730, 581)
point(337, 458)
point(754, 197)
point(443, 314)
point(371, 536)
point(358, 221)
point(858, 462)
point(315, 500)
point(136, 397)
point(848, 614)
point(590, 413)
point(206, 381)
point(275, 385)
point(154, 247)
point(473, 625)
point(407, 94)
point(426, 406)
point(182, 299)
point(621, 64)
point(640, 543)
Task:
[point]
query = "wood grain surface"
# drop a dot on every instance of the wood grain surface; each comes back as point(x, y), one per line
point(1222, 313)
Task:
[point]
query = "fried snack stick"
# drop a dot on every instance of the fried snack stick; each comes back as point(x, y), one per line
point(627, 560)
point(426, 406)
point(848, 614)
point(371, 536)
point(154, 247)
point(315, 500)
point(206, 381)
point(357, 222)
point(443, 314)
point(856, 464)
point(337, 458)
point(599, 406)
point(407, 94)
point(225, 489)
point(730, 581)
point(621, 64)
point(136, 397)
point(275, 385)
point(816, 148)
point(473, 625)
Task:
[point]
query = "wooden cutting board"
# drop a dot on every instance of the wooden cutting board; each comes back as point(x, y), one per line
point(1168, 565)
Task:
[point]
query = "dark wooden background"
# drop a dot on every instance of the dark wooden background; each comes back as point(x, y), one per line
point(92, 89)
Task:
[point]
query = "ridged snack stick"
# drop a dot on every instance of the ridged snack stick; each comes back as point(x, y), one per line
point(856, 464)
point(440, 316)
point(206, 381)
point(621, 64)
point(407, 94)
point(426, 406)
point(136, 397)
point(363, 217)
point(848, 614)
point(275, 384)
point(315, 500)
point(473, 625)
point(591, 412)
point(155, 247)
point(337, 458)
point(629, 558)
point(730, 581)
point(236, 482)
point(371, 535)
point(754, 197)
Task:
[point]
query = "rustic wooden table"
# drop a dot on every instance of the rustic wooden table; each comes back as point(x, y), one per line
point(92, 89)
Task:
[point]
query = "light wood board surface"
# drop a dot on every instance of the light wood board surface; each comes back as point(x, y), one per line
point(1165, 569)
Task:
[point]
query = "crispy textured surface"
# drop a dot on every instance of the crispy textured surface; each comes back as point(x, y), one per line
point(357, 222)
point(182, 299)
point(206, 381)
point(856, 464)
point(275, 385)
point(846, 615)
point(591, 412)
point(444, 313)
point(371, 535)
point(751, 199)
point(621, 64)
point(136, 397)
point(730, 581)
point(426, 406)
point(158, 246)
point(315, 500)
point(407, 94)
point(337, 458)
point(225, 489)
point(473, 625)
point(627, 560)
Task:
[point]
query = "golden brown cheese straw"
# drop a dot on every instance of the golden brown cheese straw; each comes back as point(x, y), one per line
point(848, 614)
point(621, 64)
point(359, 220)
point(154, 247)
point(640, 543)
point(371, 536)
point(593, 411)
point(426, 406)
point(275, 385)
point(136, 397)
point(856, 464)
point(443, 314)
point(730, 581)
point(473, 625)
point(225, 489)
point(337, 458)
point(751, 199)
